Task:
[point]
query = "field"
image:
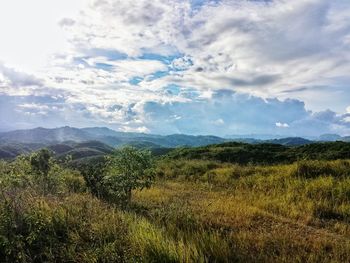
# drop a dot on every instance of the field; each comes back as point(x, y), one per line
point(253, 213)
point(196, 211)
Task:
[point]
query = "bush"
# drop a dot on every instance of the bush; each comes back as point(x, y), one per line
point(42, 229)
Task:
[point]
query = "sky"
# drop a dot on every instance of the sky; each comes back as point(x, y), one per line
point(220, 67)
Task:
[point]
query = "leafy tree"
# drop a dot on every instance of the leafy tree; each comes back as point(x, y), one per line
point(42, 163)
point(93, 173)
point(128, 169)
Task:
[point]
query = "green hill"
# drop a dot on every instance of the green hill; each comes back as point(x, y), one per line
point(243, 153)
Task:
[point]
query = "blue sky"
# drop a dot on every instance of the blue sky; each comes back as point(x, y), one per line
point(187, 66)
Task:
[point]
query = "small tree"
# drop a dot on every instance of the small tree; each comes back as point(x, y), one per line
point(128, 169)
point(41, 163)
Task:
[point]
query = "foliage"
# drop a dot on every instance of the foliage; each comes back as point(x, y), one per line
point(243, 153)
point(127, 169)
point(41, 229)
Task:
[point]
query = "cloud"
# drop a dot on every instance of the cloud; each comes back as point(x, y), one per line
point(188, 66)
point(227, 112)
point(223, 113)
point(282, 125)
point(14, 78)
point(67, 22)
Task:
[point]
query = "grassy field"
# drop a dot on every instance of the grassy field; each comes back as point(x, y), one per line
point(285, 213)
point(196, 211)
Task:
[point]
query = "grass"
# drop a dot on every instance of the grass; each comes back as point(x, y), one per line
point(282, 213)
point(253, 233)
point(197, 211)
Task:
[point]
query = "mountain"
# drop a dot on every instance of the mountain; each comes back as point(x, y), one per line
point(11, 150)
point(96, 141)
point(290, 141)
point(105, 135)
point(76, 150)
point(43, 135)
point(346, 139)
point(67, 139)
point(330, 137)
point(253, 136)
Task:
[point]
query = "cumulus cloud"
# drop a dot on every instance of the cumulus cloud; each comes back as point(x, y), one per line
point(227, 112)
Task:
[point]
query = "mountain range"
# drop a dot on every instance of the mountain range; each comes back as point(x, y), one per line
point(95, 141)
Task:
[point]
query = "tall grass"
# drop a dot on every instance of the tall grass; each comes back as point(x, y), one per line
point(282, 213)
point(198, 211)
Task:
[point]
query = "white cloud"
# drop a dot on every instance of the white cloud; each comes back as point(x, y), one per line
point(219, 122)
point(282, 125)
point(108, 53)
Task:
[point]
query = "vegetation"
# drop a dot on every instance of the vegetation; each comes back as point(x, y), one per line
point(198, 209)
point(127, 169)
point(243, 153)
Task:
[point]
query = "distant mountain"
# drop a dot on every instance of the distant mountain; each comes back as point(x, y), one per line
point(105, 135)
point(291, 141)
point(76, 150)
point(330, 137)
point(43, 135)
point(101, 140)
point(346, 139)
point(106, 132)
point(253, 136)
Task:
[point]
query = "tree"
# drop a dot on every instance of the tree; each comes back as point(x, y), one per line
point(128, 169)
point(41, 163)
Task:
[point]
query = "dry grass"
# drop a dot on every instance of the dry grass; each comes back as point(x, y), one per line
point(263, 214)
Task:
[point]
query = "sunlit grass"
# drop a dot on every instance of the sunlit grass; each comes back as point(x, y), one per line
point(212, 212)
point(265, 213)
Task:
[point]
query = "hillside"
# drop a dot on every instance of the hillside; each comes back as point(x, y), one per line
point(11, 150)
point(77, 150)
point(243, 153)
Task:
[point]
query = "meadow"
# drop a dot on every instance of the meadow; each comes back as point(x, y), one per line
point(195, 211)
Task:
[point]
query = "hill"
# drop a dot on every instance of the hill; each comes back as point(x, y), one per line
point(43, 135)
point(105, 135)
point(77, 150)
point(264, 153)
